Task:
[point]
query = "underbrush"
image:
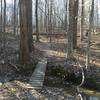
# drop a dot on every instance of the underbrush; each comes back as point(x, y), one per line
point(59, 77)
point(26, 69)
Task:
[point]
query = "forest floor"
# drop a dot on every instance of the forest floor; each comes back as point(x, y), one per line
point(58, 48)
point(55, 52)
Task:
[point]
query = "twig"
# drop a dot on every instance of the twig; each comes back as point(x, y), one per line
point(12, 65)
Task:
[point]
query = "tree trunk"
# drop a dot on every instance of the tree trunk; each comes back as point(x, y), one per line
point(45, 20)
point(75, 21)
point(48, 15)
point(1, 18)
point(41, 21)
point(24, 48)
point(15, 17)
point(66, 23)
point(50, 20)
point(36, 16)
point(4, 28)
point(82, 21)
point(4, 24)
point(97, 16)
point(29, 24)
point(70, 30)
point(91, 24)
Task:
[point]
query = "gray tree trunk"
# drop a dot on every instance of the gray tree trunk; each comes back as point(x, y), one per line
point(91, 24)
point(66, 14)
point(36, 16)
point(75, 21)
point(50, 20)
point(29, 24)
point(24, 47)
point(4, 23)
point(1, 18)
point(70, 30)
point(82, 21)
point(15, 17)
point(45, 20)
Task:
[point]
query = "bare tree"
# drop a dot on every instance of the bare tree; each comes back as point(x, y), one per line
point(4, 23)
point(36, 16)
point(50, 19)
point(82, 21)
point(29, 24)
point(66, 14)
point(70, 30)
point(41, 24)
point(45, 20)
point(15, 16)
point(1, 18)
point(48, 3)
point(97, 15)
point(24, 48)
point(75, 21)
point(91, 24)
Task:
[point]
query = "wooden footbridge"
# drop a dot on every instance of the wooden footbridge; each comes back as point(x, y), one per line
point(38, 75)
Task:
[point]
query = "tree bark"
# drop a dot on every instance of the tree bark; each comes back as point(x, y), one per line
point(45, 20)
point(1, 18)
point(91, 24)
point(75, 20)
point(82, 21)
point(36, 16)
point(15, 17)
point(66, 23)
point(70, 30)
point(50, 20)
point(4, 23)
point(29, 24)
point(24, 47)
point(97, 16)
